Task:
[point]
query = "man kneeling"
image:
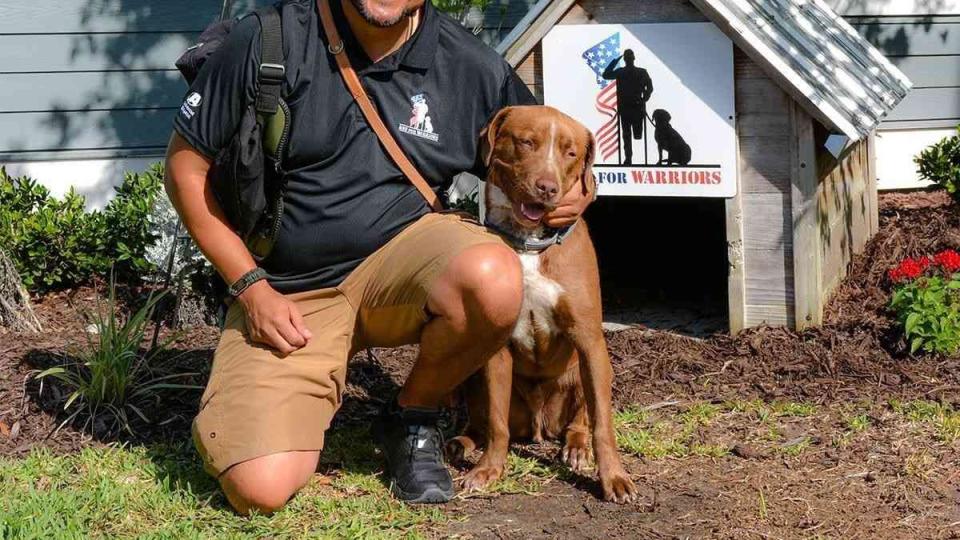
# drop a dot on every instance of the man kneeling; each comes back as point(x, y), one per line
point(359, 260)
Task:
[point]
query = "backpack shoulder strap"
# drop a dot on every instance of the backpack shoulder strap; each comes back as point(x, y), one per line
point(271, 71)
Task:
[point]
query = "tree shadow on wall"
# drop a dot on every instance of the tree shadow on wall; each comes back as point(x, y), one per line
point(894, 37)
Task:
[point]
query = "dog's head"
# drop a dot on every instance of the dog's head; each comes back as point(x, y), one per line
point(534, 156)
point(661, 116)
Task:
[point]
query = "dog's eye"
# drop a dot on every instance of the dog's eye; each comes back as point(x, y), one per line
point(525, 142)
point(571, 154)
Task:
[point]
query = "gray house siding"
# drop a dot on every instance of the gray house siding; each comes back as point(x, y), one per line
point(927, 49)
point(94, 79)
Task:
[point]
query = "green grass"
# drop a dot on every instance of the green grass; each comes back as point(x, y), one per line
point(765, 411)
point(162, 492)
point(526, 475)
point(700, 414)
point(797, 448)
point(793, 408)
point(941, 416)
point(667, 438)
point(658, 441)
point(858, 423)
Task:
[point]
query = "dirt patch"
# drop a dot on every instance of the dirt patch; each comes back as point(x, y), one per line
point(887, 482)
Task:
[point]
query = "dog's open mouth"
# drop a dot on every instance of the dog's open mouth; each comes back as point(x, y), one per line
point(532, 212)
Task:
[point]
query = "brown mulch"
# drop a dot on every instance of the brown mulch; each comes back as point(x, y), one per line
point(856, 355)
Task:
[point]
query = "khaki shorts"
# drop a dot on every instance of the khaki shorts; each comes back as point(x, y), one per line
point(258, 403)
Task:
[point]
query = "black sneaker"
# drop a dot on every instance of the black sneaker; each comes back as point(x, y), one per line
point(413, 446)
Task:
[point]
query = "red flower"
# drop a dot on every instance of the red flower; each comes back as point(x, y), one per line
point(909, 269)
point(949, 260)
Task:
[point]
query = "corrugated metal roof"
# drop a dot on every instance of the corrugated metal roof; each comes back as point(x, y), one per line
point(808, 49)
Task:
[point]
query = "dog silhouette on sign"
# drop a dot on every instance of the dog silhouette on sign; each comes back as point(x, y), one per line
point(669, 140)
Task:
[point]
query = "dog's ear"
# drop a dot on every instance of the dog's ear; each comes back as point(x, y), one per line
point(488, 136)
point(586, 174)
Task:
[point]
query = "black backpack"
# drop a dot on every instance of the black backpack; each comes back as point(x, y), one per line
point(246, 175)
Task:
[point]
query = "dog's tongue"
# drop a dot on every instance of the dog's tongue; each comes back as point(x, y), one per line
point(533, 212)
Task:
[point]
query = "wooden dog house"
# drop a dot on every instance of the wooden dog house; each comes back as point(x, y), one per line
point(808, 92)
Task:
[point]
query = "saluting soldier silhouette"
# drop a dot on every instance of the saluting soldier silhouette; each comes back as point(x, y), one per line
point(633, 90)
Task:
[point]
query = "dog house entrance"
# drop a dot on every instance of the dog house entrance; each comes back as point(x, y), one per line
point(663, 262)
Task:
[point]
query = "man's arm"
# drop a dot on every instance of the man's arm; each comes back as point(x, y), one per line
point(611, 72)
point(272, 319)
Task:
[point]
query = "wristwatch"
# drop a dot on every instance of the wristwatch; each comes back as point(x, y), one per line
point(246, 281)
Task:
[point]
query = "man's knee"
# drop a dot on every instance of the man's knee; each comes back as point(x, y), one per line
point(487, 280)
point(265, 484)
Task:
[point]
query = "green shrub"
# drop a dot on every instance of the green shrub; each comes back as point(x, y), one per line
point(128, 219)
point(57, 243)
point(940, 163)
point(113, 376)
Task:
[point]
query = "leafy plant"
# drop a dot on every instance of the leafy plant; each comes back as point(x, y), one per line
point(940, 163)
point(128, 219)
point(927, 302)
point(468, 203)
point(57, 243)
point(460, 10)
point(113, 375)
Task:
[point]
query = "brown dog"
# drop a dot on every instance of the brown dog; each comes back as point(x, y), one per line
point(554, 378)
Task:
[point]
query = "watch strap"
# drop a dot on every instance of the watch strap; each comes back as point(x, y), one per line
point(246, 280)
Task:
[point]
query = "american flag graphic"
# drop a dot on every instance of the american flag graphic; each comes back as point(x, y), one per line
point(598, 57)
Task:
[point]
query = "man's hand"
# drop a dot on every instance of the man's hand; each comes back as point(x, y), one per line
point(571, 207)
point(272, 319)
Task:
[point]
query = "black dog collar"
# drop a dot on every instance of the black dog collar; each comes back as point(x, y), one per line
point(529, 243)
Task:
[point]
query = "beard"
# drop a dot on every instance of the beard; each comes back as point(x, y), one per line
point(361, 6)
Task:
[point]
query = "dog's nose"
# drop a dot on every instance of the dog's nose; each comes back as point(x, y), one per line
point(547, 187)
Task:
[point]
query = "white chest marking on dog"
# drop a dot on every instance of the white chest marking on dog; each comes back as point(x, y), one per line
point(540, 297)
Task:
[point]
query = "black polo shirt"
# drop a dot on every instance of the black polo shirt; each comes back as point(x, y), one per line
point(345, 197)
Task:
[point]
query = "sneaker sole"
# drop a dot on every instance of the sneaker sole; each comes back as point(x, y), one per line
point(432, 495)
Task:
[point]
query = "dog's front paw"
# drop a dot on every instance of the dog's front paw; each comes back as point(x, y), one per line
point(481, 476)
point(457, 449)
point(576, 452)
point(618, 487)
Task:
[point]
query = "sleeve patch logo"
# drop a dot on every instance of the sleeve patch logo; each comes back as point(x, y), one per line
point(188, 109)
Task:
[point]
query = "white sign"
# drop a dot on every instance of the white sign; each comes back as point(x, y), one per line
point(659, 100)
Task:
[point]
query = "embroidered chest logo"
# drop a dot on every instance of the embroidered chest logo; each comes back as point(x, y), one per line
point(420, 124)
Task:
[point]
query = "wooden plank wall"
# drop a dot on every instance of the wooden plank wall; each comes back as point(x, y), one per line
point(762, 259)
point(764, 135)
point(846, 202)
point(805, 213)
